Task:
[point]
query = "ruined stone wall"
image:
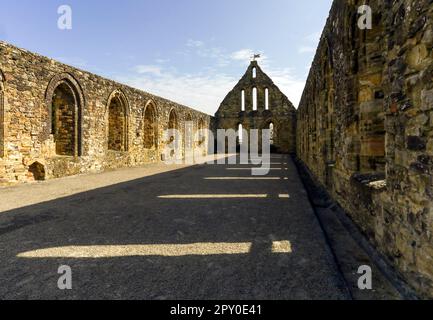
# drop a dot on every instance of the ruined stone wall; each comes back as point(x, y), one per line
point(276, 109)
point(365, 127)
point(56, 120)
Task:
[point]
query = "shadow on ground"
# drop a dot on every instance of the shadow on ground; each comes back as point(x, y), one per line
point(133, 213)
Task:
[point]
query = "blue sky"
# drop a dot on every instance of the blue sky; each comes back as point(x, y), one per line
point(189, 51)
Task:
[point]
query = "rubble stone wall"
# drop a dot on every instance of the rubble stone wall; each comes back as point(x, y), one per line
point(276, 109)
point(365, 127)
point(56, 120)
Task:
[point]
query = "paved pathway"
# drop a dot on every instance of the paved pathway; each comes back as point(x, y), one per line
point(201, 232)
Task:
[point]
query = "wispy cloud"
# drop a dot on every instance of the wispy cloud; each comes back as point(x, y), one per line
point(314, 37)
point(194, 43)
point(310, 43)
point(206, 89)
point(73, 61)
point(203, 92)
point(290, 84)
point(162, 61)
point(242, 55)
point(306, 49)
point(142, 69)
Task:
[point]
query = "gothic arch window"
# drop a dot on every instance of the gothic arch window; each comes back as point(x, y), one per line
point(172, 120)
point(150, 126)
point(201, 125)
point(173, 127)
point(271, 128)
point(189, 131)
point(118, 122)
point(254, 72)
point(240, 133)
point(243, 100)
point(2, 117)
point(266, 99)
point(254, 99)
point(202, 132)
point(270, 125)
point(65, 102)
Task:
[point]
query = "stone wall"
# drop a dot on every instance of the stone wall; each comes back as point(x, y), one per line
point(56, 120)
point(365, 127)
point(272, 107)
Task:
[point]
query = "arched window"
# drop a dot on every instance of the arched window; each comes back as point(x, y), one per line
point(240, 133)
point(2, 117)
point(271, 133)
point(173, 126)
point(202, 132)
point(189, 132)
point(150, 128)
point(37, 171)
point(243, 100)
point(254, 72)
point(254, 99)
point(117, 123)
point(266, 99)
point(65, 120)
point(172, 120)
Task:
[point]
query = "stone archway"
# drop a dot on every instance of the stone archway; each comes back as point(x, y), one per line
point(174, 134)
point(118, 115)
point(37, 171)
point(65, 101)
point(150, 126)
point(188, 134)
point(2, 117)
point(272, 126)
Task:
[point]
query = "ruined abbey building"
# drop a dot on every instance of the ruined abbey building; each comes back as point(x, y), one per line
point(365, 127)
point(56, 120)
point(257, 103)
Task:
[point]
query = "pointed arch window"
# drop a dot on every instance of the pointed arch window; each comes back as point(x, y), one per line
point(266, 99)
point(150, 128)
point(254, 99)
point(118, 123)
point(243, 100)
point(2, 120)
point(240, 133)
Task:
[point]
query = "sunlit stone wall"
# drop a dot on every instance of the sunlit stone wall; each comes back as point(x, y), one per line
point(56, 120)
point(365, 127)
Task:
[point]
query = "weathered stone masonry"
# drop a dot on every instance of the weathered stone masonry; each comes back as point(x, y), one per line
point(257, 103)
point(365, 127)
point(56, 120)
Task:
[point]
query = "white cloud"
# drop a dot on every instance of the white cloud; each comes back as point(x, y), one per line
point(311, 43)
point(291, 85)
point(245, 56)
point(142, 69)
point(206, 89)
point(306, 49)
point(202, 92)
point(205, 92)
point(194, 43)
point(162, 61)
point(242, 55)
point(314, 37)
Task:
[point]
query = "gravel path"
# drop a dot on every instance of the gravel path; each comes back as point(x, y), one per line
point(202, 232)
